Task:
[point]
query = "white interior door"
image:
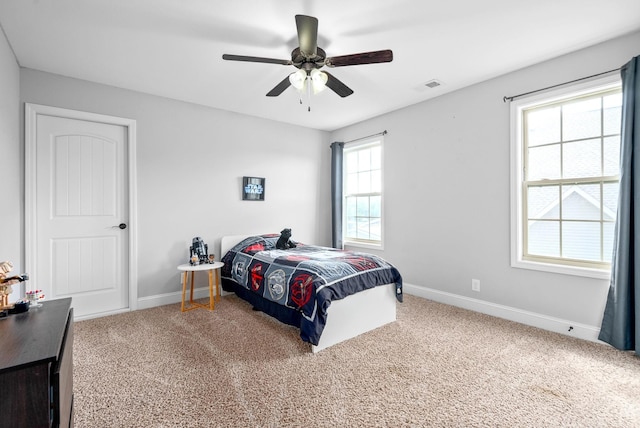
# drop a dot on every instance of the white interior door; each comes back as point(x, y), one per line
point(81, 212)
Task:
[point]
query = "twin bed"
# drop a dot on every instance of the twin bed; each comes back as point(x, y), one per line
point(331, 295)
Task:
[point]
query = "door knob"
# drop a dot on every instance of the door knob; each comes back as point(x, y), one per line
point(122, 226)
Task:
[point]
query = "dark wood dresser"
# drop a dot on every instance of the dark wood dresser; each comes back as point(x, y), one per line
point(36, 367)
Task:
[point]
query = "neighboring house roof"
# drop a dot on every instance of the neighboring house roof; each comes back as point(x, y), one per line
point(572, 197)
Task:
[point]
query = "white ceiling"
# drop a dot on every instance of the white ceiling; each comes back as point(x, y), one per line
point(173, 48)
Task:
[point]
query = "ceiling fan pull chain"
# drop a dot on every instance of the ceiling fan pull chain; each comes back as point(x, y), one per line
point(309, 93)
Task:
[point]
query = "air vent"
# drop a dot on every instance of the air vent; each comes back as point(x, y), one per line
point(433, 83)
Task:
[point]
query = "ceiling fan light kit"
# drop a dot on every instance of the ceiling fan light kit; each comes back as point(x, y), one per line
point(308, 58)
point(318, 80)
point(300, 79)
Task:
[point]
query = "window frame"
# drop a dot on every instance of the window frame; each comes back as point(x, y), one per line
point(518, 211)
point(361, 144)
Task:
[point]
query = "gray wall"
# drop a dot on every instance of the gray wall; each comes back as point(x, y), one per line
point(11, 180)
point(447, 191)
point(190, 162)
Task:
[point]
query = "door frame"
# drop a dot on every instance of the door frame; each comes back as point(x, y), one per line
point(31, 113)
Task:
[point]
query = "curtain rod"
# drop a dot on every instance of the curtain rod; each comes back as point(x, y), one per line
point(513, 97)
point(368, 136)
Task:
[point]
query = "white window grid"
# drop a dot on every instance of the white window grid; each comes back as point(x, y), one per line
point(520, 257)
point(348, 193)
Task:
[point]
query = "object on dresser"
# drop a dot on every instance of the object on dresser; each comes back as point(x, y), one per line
point(285, 242)
point(19, 307)
point(199, 252)
point(6, 283)
point(34, 296)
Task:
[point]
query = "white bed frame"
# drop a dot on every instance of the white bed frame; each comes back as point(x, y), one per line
point(348, 317)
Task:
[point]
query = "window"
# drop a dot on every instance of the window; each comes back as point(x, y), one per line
point(363, 193)
point(565, 177)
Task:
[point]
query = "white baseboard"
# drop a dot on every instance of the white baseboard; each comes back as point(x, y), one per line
point(99, 314)
point(153, 301)
point(557, 325)
point(169, 298)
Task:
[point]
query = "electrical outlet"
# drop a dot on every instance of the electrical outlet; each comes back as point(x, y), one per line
point(475, 285)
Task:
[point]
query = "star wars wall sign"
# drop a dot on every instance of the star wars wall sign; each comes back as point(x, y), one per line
point(252, 189)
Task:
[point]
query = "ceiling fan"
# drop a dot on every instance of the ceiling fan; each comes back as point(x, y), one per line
point(308, 58)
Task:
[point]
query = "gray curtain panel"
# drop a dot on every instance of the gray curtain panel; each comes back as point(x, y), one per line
point(621, 320)
point(337, 154)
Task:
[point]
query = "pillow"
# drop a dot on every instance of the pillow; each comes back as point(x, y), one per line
point(255, 244)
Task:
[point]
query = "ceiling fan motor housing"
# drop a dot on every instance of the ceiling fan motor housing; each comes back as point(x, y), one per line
point(308, 63)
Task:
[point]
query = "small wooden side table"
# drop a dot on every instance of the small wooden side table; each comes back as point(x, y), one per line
point(210, 268)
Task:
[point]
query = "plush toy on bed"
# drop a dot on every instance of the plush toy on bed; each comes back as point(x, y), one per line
point(285, 242)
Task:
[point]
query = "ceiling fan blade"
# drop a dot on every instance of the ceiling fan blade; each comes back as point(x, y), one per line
point(279, 88)
point(256, 59)
point(337, 86)
point(373, 57)
point(307, 35)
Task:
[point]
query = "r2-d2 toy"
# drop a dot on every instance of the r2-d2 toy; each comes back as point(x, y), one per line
point(199, 252)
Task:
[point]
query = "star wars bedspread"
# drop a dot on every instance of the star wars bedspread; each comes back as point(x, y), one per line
point(301, 281)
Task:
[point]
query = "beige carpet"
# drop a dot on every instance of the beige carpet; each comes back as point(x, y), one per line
point(436, 366)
